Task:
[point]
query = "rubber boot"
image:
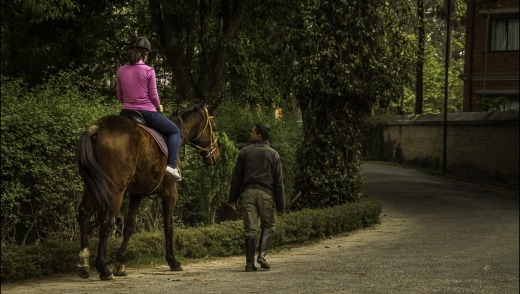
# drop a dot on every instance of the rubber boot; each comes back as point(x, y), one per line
point(265, 240)
point(250, 254)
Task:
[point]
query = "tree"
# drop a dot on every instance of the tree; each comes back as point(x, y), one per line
point(199, 52)
point(419, 97)
point(40, 38)
point(351, 56)
point(32, 32)
point(195, 38)
point(427, 94)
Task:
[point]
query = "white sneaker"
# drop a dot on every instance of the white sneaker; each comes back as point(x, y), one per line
point(174, 172)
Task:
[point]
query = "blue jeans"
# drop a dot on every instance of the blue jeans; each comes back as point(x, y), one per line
point(163, 125)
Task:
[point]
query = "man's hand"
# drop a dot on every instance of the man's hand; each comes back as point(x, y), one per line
point(233, 206)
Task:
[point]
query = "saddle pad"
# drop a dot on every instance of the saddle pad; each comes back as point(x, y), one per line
point(159, 138)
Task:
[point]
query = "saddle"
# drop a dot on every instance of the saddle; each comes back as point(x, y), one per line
point(141, 122)
point(134, 115)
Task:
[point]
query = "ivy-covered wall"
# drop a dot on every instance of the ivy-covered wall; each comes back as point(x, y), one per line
point(479, 146)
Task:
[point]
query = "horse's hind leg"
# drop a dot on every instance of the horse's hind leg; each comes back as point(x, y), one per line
point(101, 262)
point(105, 230)
point(135, 202)
point(169, 199)
point(83, 267)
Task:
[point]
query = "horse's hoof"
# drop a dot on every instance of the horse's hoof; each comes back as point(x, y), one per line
point(83, 272)
point(176, 267)
point(119, 270)
point(106, 278)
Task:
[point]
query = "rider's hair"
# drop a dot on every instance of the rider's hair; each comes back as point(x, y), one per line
point(136, 54)
point(140, 49)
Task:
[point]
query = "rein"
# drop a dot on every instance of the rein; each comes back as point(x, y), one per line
point(213, 139)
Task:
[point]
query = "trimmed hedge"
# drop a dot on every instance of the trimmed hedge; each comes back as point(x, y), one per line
point(224, 239)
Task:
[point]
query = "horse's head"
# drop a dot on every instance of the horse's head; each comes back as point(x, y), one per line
point(198, 129)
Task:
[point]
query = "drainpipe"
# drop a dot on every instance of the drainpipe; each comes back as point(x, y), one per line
point(485, 58)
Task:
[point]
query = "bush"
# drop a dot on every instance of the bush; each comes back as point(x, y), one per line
point(204, 190)
point(40, 126)
point(224, 239)
point(286, 135)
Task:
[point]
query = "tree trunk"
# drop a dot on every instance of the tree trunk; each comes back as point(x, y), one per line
point(419, 95)
point(330, 153)
point(176, 31)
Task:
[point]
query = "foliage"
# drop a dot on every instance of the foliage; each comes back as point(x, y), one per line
point(204, 192)
point(434, 62)
point(48, 10)
point(194, 36)
point(351, 55)
point(224, 239)
point(286, 136)
point(434, 77)
point(46, 36)
point(337, 60)
point(39, 171)
point(204, 53)
point(39, 128)
point(495, 103)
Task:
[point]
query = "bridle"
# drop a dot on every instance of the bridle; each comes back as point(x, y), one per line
point(212, 147)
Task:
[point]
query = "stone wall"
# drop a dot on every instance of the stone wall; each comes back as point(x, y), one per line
point(480, 146)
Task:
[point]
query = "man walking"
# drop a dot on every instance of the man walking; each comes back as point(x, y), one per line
point(258, 183)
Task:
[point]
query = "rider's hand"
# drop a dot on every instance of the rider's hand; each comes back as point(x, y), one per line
point(160, 108)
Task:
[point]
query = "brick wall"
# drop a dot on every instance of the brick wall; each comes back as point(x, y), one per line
point(480, 146)
point(498, 68)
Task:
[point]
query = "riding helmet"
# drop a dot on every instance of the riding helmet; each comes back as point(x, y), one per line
point(142, 43)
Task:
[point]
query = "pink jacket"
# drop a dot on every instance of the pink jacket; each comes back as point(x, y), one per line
point(137, 87)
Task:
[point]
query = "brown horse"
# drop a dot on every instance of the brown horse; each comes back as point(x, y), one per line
point(117, 157)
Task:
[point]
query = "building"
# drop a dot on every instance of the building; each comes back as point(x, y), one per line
point(491, 67)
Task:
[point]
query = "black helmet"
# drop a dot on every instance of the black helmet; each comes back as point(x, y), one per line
point(142, 43)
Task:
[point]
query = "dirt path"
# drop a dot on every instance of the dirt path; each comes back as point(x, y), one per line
point(215, 276)
point(436, 236)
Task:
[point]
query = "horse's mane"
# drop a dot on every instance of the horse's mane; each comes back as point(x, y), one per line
point(183, 112)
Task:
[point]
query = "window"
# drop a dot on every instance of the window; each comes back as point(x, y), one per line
point(504, 34)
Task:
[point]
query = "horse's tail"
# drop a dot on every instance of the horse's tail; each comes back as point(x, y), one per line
point(97, 183)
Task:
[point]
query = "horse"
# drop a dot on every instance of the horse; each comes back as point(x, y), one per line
point(118, 157)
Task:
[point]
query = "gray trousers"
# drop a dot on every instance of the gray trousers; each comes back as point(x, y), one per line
point(257, 205)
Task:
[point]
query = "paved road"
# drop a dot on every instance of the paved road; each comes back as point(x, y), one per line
point(436, 236)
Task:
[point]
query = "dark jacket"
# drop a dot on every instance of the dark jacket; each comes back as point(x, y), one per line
point(258, 166)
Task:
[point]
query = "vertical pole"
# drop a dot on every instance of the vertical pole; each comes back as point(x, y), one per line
point(446, 75)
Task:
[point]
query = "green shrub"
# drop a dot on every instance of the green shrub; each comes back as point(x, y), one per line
point(204, 190)
point(224, 239)
point(40, 126)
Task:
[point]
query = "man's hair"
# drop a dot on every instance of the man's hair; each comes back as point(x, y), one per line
point(264, 130)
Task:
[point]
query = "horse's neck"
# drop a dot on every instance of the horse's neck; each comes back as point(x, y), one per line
point(187, 131)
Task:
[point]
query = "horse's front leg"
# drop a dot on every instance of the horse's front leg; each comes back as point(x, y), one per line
point(83, 217)
point(169, 198)
point(135, 202)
